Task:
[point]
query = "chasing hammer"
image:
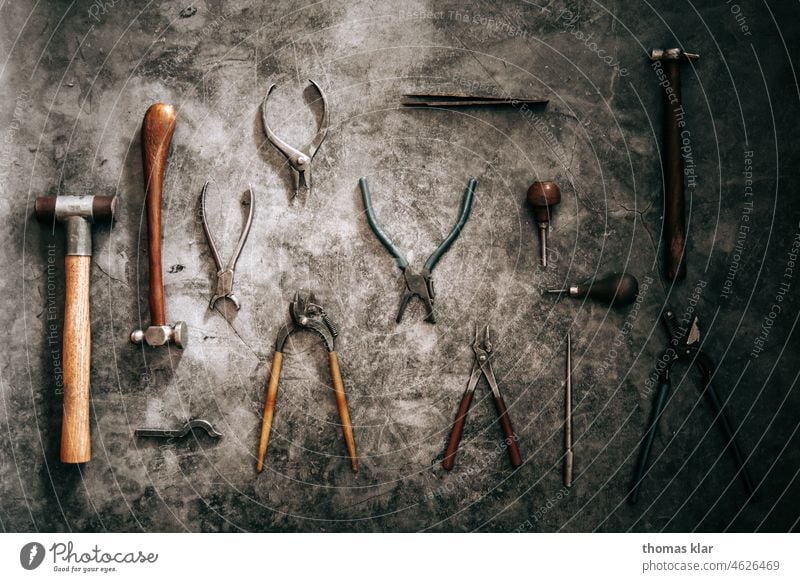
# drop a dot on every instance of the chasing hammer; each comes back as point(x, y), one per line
point(77, 212)
point(157, 130)
point(674, 203)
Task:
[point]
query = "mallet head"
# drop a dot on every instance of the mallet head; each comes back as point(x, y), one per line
point(159, 335)
point(77, 212)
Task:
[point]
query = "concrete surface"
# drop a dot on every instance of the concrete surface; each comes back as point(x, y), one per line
point(76, 81)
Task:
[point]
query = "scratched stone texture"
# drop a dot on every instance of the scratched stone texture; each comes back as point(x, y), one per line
point(77, 78)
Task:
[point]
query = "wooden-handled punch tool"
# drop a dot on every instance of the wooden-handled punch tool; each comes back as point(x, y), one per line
point(307, 315)
point(157, 130)
point(543, 197)
point(78, 213)
point(616, 289)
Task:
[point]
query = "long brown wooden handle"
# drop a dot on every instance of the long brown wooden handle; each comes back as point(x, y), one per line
point(76, 444)
point(269, 409)
point(344, 415)
point(674, 202)
point(157, 129)
point(508, 432)
point(455, 434)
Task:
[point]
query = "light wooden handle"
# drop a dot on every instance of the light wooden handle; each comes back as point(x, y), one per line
point(157, 129)
point(76, 445)
point(341, 404)
point(269, 408)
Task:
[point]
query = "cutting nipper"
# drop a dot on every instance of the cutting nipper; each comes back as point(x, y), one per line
point(225, 272)
point(299, 159)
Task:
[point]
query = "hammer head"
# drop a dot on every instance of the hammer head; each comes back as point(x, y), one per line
point(60, 208)
point(159, 335)
point(673, 54)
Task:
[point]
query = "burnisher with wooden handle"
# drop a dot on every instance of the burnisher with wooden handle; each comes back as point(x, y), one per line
point(77, 212)
point(157, 129)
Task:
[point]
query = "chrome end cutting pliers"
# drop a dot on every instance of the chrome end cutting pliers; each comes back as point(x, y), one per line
point(299, 159)
point(307, 315)
point(482, 366)
point(225, 272)
point(685, 347)
point(418, 284)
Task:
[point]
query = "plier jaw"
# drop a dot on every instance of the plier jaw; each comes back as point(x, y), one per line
point(417, 285)
point(224, 289)
point(308, 315)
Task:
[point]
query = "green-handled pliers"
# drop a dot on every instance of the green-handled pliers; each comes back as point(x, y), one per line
point(685, 347)
point(418, 284)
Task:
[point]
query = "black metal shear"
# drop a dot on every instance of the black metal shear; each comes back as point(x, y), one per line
point(418, 284)
point(684, 347)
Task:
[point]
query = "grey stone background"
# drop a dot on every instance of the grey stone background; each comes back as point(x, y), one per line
point(76, 80)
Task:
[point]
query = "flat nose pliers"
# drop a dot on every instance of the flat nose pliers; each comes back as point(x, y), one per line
point(684, 347)
point(418, 284)
point(225, 272)
point(299, 159)
point(307, 315)
point(482, 366)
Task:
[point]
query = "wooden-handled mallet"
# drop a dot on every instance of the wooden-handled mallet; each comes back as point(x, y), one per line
point(78, 213)
point(543, 196)
point(157, 129)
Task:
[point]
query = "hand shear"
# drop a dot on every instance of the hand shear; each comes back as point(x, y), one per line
point(685, 347)
point(307, 315)
point(418, 284)
point(225, 273)
point(482, 366)
point(299, 159)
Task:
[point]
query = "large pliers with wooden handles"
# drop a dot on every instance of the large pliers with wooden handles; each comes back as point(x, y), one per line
point(482, 366)
point(418, 284)
point(307, 315)
point(685, 347)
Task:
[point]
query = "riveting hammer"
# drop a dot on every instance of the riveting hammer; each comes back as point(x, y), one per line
point(157, 129)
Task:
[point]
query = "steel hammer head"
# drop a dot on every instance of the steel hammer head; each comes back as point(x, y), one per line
point(159, 335)
point(673, 54)
point(93, 208)
point(77, 212)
